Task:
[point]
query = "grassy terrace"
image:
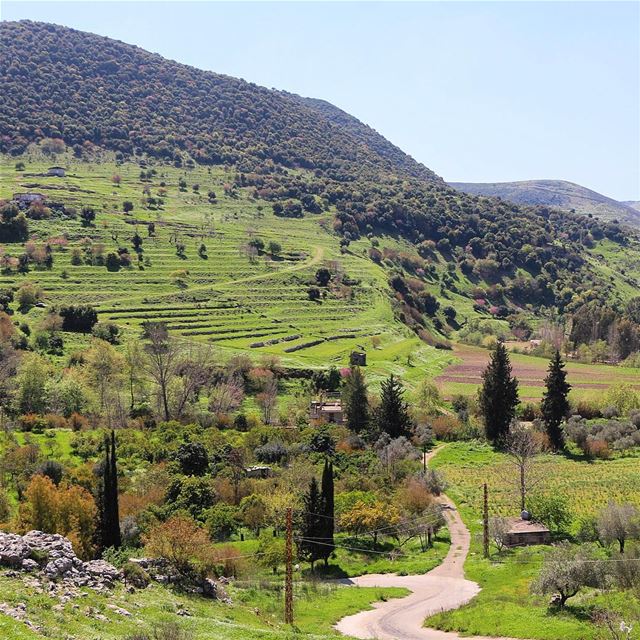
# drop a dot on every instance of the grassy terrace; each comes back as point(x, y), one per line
point(225, 298)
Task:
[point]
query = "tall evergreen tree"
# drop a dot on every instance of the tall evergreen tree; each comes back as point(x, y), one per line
point(328, 512)
point(355, 401)
point(555, 401)
point(108, 497)
point(312, 525)
point(499, 395)
point(393, 416)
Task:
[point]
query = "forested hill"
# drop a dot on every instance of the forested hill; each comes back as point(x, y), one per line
point(62, 83)
point(96, 93)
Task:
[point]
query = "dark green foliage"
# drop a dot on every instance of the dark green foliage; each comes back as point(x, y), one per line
point(355, 401)
point(328, 513)
point(87, 215)
point(13, 224)
point(312, 530)
point(323, 277)
point(392, 416)
point(498, 395)
point(79, 319)
point(107, 331)
point(127, 206)
point(109, 528)
point(52, 469)
point(327, 380)
point(322, 441)
point(192, 458)
point(555, 401)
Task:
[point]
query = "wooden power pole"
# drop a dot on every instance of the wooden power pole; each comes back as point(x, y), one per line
point(485, 523)
point(288, 581)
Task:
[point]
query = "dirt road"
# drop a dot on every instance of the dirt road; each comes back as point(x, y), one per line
point(441, 589)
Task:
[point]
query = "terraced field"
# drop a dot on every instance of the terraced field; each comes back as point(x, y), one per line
point(465, 376)
point(224, 296)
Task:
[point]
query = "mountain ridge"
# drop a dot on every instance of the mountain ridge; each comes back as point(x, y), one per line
point(557, 193)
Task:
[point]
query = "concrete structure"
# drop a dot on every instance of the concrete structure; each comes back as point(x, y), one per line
point(56, 171)
point(259, 471)
point(28, 198)
point(327, 409)
point(358, 359)
point(524, 531)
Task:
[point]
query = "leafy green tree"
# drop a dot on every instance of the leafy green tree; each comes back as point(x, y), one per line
point(392, 416)
point(555, 401)
point(192, 458)
point(222, 521)
point(356, 402)
point(271, 551)
point(498, 395)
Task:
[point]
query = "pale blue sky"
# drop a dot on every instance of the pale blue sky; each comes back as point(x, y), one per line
point(477, 91)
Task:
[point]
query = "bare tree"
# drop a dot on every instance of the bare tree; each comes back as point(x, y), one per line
point(267, 399)
point(163, 353)
point(227, 395)
point(193, 371)
point(618, 523)
point(498, 530)
point(523, 447)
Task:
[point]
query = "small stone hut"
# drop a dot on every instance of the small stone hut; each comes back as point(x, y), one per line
point(524, 531)
point(358, 359)
point(56, 171)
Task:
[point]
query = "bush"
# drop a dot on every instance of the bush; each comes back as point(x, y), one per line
point(107, 331)
point(446, 428)
point(272, 452)
point(78, 319)
point(135, 575)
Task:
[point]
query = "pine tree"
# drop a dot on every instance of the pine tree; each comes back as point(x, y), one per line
point(108, 497)
point(555, 403)
point(499, 395)
point(356, 402)
point(312, 524)
point(328, 512)
point(393, 416)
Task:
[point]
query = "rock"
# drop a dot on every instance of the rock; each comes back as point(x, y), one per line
point(119, 610)
point(13, 550)
point(29, 565)
point(58, 567)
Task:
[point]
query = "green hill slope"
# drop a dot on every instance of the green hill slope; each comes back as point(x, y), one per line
point(399, 243)
point(555, 193)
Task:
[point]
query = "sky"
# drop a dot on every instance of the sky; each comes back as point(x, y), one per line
point(477, 91)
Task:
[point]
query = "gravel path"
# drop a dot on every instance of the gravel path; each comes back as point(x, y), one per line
point(441, 589)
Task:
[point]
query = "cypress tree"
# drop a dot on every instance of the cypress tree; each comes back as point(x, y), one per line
point(312, 526)
point(328, 512)
point(393, 416)
point(355, 401)
point(499, 395)
point(108, 497)
point(555, 402)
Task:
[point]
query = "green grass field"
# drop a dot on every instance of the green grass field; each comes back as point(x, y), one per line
point(255, 612)
point(505, 606)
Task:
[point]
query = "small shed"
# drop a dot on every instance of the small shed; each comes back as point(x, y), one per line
point(358, 359)
point(56, 171)
point(327, 410)
point(524, 531)
point(259, 472)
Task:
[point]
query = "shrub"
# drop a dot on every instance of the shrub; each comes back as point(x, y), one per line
point(79, 319)
point(446, 428)
point(135, 575)
point(272, 452)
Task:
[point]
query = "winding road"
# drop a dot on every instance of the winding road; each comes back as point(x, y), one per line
point(441, 589)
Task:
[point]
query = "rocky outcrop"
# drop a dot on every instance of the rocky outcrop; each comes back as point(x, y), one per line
point(53, 555)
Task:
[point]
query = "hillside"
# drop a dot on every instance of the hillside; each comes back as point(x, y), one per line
point(555, 193)
point(634, 204)
point(306, 174)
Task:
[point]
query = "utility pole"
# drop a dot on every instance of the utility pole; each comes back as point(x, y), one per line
point(485, 522)
point(288, 581)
